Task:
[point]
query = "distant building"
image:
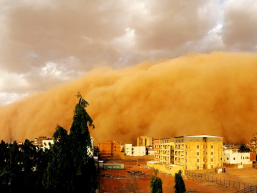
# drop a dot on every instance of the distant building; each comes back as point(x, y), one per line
point(46, 144)
point(149, 150)
point(138, 150)
point(134, 150)
point(38, 141)
point(144, 141)
point(128, 149)
point(253, 143)
point(232, 156)
point(107, 148)
point(229, 145)
point(156, 144)
point(198, 152)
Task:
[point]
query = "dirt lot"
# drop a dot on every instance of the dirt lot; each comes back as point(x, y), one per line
point(248, 175)
point(113, 180)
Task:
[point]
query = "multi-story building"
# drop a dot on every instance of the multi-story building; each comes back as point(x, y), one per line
point(107, 148)
point(228, 145)
point(144, 141)
point(38, 141)
point(46, 143)
point(134, 150)
point(138, 151)
point(156, 144)
point(128, 149)
point(253, 143)
point(167, 150)
point(232, 156)
point(198, 152)
point(116, 147)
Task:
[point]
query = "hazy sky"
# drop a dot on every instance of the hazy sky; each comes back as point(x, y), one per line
point(45, 43)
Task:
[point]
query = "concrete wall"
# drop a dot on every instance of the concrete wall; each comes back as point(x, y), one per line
point(169, 169)
point(121, 156)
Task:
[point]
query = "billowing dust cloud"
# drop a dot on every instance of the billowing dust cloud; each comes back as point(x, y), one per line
point(213, 94)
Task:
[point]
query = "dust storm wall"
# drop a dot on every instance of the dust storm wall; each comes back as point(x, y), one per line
point(214, 94)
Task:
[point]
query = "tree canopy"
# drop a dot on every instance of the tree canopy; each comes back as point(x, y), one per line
point(179, 183)
point(66, 167)
point(156, 183)
point(243, 148)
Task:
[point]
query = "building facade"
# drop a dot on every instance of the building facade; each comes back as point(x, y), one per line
point(128, 149)
point(167, 150)
point(107, 148)
point(253, 143)
point(138, 151)
point(38, 141)
point(198, 152)
point(156, 143)
point(144, 141)
point(232, 156)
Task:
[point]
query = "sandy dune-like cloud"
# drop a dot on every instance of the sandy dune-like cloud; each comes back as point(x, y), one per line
point(211, 94)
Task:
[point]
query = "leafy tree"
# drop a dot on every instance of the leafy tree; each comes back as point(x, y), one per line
point(156, 183)
point(243, 148)
point(72, 168)
point(179, 183)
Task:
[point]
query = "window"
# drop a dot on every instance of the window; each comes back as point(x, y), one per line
point(211, 159)
point(197, 153)
point(197, 160)
point(227, 158)
point(186, 160)
point(243, 157)
point(234, 158)
point(197, 146)
point(186, 153)
point(212, 146)
point(211, 153)
point(211, 166)
point(198, 167)
point(206, 153)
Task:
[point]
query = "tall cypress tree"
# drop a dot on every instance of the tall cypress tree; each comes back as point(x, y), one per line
point(179, 183)
point(72, 168)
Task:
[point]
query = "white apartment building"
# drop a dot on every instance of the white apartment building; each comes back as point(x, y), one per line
point(128, 149)
point(138, 151)
point(46, 143)
point(134, 150)
point(232, 156)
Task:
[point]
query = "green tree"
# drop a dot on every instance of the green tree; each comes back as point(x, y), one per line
point(72, 168)
point(179, 183)
point(156, 183)
point(243, 148)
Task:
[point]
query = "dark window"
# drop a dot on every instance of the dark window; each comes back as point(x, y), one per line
point(212, 146)
point(197, 160)
point(197, 146)
point(197, 153)
point(211, 153)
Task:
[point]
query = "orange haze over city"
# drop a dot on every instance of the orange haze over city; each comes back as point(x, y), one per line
point(213, 94)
